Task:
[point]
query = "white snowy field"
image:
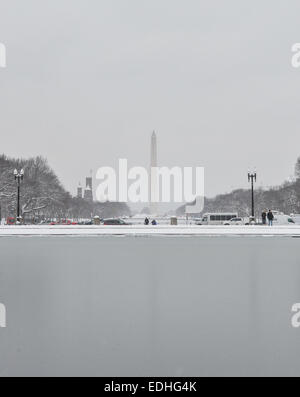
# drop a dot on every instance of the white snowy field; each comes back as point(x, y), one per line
point(136, 230)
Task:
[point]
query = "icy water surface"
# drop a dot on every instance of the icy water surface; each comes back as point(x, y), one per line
point(157, 306)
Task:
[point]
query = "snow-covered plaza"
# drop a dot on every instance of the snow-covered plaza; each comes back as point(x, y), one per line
point(139, 230)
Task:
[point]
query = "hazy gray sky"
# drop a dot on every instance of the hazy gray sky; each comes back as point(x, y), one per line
point(88, 80)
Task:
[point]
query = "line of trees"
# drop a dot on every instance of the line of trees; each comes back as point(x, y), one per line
point(285, 198)
point(43, 196)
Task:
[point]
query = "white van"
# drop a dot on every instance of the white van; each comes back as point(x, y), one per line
point(282, 219)
point(216, 218)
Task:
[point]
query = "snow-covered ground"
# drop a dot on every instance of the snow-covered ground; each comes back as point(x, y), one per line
point(135, 230)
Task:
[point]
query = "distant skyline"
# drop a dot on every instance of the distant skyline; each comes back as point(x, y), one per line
point(86, 83)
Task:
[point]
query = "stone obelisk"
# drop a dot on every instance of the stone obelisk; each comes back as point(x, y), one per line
point(153, 177)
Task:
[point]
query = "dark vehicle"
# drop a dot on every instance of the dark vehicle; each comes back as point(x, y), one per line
point(114, 222)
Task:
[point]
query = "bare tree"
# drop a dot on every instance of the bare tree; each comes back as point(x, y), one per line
point(43, 195)
point(297, 169)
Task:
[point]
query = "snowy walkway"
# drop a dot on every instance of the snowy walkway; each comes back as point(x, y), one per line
point(293, 230)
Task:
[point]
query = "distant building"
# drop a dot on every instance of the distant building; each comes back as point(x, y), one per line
point(88, 192)
point(89, 182)
point(79, 191)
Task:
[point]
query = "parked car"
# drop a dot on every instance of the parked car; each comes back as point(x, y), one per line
point(114, 222)
point(66, 222)
point(88, 223)
point(235, 221)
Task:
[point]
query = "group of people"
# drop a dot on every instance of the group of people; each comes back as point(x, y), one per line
point(147, 222)
point(267, 215)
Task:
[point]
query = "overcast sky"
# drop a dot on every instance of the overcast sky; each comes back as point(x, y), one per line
point(87, 81)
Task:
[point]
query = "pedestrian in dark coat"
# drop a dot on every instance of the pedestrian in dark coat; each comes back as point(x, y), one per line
point(270, 218)
point(264, 217)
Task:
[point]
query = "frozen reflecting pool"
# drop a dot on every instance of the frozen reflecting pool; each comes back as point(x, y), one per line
point(149, 306)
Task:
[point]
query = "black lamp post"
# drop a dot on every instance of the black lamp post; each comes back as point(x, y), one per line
point(252, 177)
point(19, 176)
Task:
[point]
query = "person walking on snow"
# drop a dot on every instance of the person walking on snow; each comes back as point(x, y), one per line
point(264, 217)
point(270, 218)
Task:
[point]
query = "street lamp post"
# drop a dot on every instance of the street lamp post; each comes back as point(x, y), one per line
point(252, 177)
point(19, 176)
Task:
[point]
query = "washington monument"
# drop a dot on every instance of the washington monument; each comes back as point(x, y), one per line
point(154, 176)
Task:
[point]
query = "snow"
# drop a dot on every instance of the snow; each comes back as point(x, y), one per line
point(136, 230)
